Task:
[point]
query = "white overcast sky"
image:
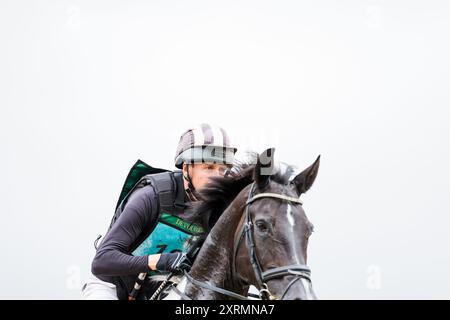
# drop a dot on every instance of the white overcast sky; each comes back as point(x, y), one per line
point(89, 87)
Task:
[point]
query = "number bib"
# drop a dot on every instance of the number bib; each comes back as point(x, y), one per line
point(171, 234)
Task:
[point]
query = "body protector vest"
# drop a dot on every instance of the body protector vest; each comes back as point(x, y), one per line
point(171, 233)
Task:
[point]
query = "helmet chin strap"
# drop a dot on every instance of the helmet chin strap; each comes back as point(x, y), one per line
point(191, 192)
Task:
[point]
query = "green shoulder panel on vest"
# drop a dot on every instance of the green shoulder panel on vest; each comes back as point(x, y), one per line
point(139, 169)
point(191, 228)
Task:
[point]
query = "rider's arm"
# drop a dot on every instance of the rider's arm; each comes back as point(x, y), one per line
point(113, 257)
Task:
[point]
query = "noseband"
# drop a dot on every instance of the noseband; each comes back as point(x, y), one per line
point(297, 270)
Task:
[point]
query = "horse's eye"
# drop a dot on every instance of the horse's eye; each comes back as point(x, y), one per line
point(262, 226)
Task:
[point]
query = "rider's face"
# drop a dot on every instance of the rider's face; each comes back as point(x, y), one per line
point(201, 172)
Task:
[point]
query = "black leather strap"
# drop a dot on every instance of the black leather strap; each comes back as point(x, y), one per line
point(164, 187)
point(179, 203)
point(296, 269)
point(289, 286)
point(215, 289)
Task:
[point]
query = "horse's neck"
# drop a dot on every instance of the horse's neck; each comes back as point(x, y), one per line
point(213, 264)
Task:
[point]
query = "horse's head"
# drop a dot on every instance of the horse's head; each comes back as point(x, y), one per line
point(271, 243)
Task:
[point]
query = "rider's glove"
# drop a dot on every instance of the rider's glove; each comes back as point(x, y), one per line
point(173, 262)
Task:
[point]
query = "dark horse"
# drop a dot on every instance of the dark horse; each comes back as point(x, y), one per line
point(258, 235)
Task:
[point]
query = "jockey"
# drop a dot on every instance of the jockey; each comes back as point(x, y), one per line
point(151, 230)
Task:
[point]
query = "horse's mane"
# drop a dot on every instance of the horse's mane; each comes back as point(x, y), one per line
point(220, 191)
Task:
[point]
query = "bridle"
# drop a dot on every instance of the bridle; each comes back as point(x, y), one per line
point(262, 277)
point(299, 270)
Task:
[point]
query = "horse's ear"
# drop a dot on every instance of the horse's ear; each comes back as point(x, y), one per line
point(305, 179)
point(264, 168)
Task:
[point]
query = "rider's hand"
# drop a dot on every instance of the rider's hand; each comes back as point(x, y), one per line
point(176, 261)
